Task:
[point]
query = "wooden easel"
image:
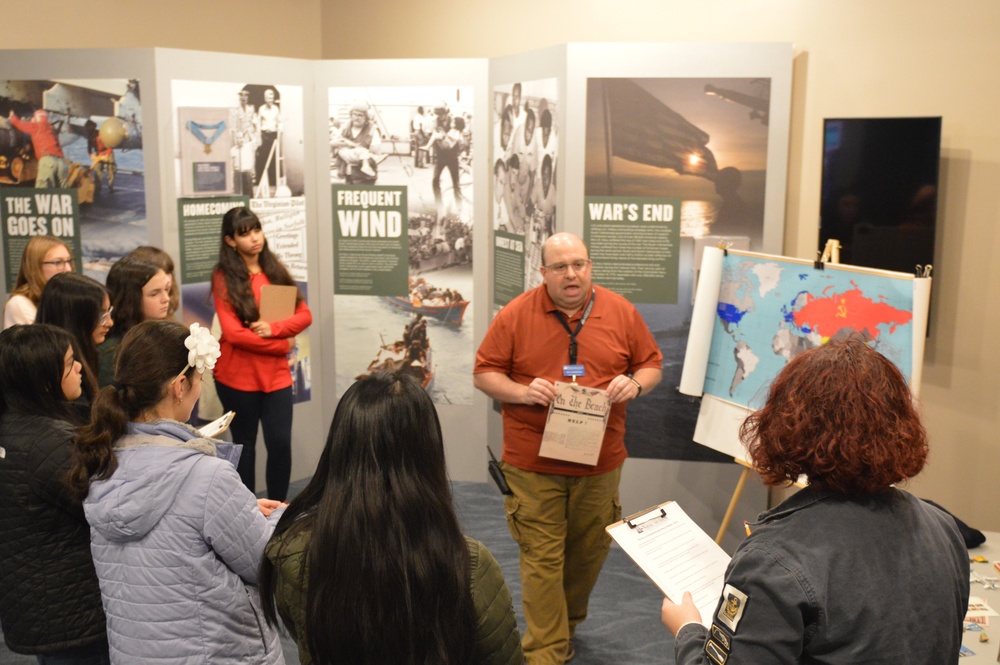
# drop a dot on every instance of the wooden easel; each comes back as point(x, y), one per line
point(831, 253)
point(737, 493)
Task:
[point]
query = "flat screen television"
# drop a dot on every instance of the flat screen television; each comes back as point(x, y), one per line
point(879, 190)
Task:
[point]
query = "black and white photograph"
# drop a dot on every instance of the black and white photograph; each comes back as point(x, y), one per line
point(420, 139)
point(524, 165)
point(248, 136)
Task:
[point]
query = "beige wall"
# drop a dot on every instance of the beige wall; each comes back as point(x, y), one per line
point(287, 28)
point(854, 57)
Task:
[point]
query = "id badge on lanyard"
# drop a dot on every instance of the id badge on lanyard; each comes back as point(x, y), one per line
point(575, 369)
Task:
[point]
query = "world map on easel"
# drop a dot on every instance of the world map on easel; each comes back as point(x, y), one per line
point(771, 310)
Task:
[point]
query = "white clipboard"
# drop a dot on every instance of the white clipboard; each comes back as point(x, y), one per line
point(676, 554)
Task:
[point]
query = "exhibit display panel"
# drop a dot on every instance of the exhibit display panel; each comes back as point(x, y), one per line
point(401, 228)
point(402, 190)
point(682, 142)
point(241, 144)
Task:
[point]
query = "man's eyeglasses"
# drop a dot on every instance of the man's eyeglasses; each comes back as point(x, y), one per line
point(59, 263)
point(106, 316)
point(561, 268)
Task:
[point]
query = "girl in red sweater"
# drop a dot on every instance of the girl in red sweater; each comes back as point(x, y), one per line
point(252, 376)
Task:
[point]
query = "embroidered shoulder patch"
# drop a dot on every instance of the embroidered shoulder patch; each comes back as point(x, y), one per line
point(719, 636)
point(716, 653)
point(734, 602)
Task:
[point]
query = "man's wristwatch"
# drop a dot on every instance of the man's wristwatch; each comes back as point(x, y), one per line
point(637, 385)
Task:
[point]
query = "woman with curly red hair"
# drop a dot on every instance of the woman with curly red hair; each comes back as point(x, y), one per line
point(849, 569)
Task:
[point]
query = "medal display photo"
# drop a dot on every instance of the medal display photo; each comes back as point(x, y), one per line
point(574, 429)
point(205, 146)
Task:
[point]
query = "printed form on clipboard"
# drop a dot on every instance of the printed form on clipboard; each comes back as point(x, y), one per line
point(676, 554)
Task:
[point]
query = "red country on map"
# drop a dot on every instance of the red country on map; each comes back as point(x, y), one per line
point(829, 314)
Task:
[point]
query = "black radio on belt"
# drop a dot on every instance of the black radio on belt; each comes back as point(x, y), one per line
point(497, 474)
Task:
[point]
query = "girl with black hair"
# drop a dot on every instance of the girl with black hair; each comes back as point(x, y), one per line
point(176, 537)
point(50, 603)
point(252, 377)
point(368, 564)
point(140, 291)
point(81, 306)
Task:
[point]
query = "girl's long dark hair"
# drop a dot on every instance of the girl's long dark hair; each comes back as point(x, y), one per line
point(75, 303)
point(158, 257)
point(389, 578)
point(32, 366)
point(151, 355)
point(125, 281)
point(239, 222)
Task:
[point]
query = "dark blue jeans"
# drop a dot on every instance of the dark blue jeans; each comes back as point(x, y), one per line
point(92, 654)
point(274, 412)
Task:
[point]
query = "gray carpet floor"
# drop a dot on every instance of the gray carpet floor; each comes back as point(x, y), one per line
point(623, 627)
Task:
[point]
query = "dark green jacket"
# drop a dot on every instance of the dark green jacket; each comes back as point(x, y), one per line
point(106, 357)
point(497, 639)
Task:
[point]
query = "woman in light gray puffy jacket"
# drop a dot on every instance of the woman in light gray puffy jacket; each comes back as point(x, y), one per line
point(176, 537)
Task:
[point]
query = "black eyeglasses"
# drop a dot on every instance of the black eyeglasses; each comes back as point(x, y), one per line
point(560, 268)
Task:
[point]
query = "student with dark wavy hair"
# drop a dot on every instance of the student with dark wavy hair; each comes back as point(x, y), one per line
point(50, 602)
point(81, 306)
point(165, 262)
point(140, 291)
point(368, 564)
point(850, 569)
point(252, 377)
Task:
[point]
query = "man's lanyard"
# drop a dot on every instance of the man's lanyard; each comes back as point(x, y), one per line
point(579, 325)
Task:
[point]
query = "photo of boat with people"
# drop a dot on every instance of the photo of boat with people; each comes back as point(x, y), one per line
point(411, 354)
point(376, 332)
point(444, 305)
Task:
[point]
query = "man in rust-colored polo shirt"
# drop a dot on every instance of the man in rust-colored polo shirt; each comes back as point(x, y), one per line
point(558, 510)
